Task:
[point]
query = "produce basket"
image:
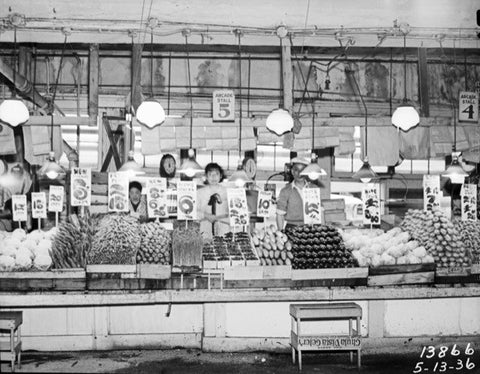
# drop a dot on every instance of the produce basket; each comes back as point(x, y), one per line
point(384, 275)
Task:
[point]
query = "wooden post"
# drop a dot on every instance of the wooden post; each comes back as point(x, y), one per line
point(287, 84)
point(423, 82)
point(93, 78)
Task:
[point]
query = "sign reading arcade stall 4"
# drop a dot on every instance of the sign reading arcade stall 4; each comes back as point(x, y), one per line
point(223, 106)
point(468, 106)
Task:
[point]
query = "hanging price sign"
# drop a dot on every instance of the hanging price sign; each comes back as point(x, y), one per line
point(223, 106)
point(186, 200)
point(468, 106)
point(81, 187)
point(371, 204)
point(312, 212)
point(469, 202)
point(237, 207)
point(39, 205)
point(431, 191)
point(19, 207)
point(265, 207)
point(118, 192)
point(157, 198)
point(55, 198)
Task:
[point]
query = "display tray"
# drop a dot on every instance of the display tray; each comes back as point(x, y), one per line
point(456, 275)
point(53, 280)
point(398, 269)
point(154, 271)
point(387, 275)
point(330, 277)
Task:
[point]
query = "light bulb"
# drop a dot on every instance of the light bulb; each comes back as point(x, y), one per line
point(239, 183)
point(190, 173)
point(52, 174)
point(365, 180)
point(457, 179)
point(313, 176)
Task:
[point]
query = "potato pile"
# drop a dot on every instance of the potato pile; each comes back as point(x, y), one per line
point(272, 246)
point(156, 244)
point(438, 235)
point(116, 241)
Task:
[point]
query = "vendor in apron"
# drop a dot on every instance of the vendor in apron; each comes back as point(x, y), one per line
point(137, 202)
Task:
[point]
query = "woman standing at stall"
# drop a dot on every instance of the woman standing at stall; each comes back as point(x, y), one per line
point(212, 203)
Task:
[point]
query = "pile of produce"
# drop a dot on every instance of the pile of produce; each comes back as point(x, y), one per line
point(155, 244)
point(317, 247)
point(116, 240)
point(72, 242)
point(187, 243)
point(470, 237)
point(394, 247)
point(235, 247)
point(434, 231)
point(272, 246)
point(20, 251)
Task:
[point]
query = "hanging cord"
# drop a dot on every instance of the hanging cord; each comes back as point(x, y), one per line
point(185, 33)
point(404, 67)
point(151, 63)
point(15, 58)
point(52, 103)
point(130, 116)
point(352, 74)
point(239, 34)
point(282, 93)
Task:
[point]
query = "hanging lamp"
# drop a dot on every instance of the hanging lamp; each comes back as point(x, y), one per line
point(240, 177)
point(150, 112)
point(190, 167)
point(455, 171)
point(313, 170)
point(280, 121)
point(405, 116)
point(51, 169)
point(131, 166)
point(13, 111)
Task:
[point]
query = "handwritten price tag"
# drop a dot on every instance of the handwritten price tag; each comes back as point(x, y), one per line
point(237, 207)
point(312, 206)
point(371, 204)
point(265, 207)
point(431, 191)
point(186, 200)
point(81, 186)
point(55, 198)
point(118, 192)
point(39, 205)
point(469, 202)
point(157, 197)
point(19, 206)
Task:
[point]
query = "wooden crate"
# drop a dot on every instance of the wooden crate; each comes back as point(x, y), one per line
point(456, 275)
point(55, 280)
point(330, 277)
point(401, 274)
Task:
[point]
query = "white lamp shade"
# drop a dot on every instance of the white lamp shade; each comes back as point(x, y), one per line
point(405, 117)
point(51, 168)
point(131, 167)
point(239, 177)
point(455, 172)
point(13, 112)
point(150, 113)
point(313, 171)
point(365, 174)
point(279, 121)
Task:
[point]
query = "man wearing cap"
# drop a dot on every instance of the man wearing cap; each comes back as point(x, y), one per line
point(290, 200)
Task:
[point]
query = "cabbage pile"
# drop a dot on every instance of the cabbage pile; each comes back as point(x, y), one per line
point(20, 251)
point(394, 247)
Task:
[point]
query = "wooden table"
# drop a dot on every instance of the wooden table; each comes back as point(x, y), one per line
point(10, 350)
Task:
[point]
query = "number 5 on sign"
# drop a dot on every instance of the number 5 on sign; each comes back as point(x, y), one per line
point(223, 106)
point(468, 106)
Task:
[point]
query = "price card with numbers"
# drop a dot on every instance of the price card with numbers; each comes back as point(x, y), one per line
point(237, 207)
point(223, 106)
point(19, 207)
point(469, 202)
point(371, 204)
point(468, 106)
point(311, 206)
point(55, 198)
point(431, 191)
point(81, 186)
point(187, 200)
point(265, 206)
point(118, 192)
point(157, 197)
point(39, 205)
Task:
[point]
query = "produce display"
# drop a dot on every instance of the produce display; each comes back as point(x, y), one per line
point(394, 247)
point(155, 244)
point(229, 248)
point(72, 242)
point(318, 246)
point(434, 231)
point(116, 240)
point(470, 237)
point(20, 251)
point(273, 247)
point(187, 243)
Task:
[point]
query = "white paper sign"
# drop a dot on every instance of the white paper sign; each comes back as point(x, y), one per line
point(118, 192)
point(81, 187)
point(237, 207)
point(371, 204)
point(431, 191)
point(468, 106)
point(265, 207)
point(223, 106)
point(469, 202)
point(186, 200)
point(312, 212)
point(55, 198)
point(157, 198)
point(19, 207)
point(39, 205)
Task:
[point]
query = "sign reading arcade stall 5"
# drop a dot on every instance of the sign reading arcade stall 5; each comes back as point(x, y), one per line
point(223, 106)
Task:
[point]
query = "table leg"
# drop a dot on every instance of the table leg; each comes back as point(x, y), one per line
point(350, 333)
point(19, 339)
point(299, 360)
point(12, 348)
point(293, 355)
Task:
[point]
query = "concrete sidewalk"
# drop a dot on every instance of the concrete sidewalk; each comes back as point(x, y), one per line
point(198, 362)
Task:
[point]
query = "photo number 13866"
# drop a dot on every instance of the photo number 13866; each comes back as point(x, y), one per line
point(445, 359)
